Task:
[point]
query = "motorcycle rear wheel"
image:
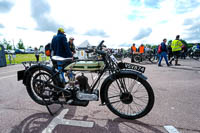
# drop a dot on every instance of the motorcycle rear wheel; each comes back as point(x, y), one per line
point(37, 88)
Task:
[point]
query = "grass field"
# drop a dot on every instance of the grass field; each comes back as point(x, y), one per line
point(24, 57)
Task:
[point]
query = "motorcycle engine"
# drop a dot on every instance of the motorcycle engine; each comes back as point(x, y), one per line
point(82, 81)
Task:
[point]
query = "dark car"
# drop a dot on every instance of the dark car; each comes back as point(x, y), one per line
point(19, 51)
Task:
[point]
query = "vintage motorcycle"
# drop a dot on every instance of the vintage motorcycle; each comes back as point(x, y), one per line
point(124, 90)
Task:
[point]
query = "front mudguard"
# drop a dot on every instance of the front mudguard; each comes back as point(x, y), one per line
point(113, 76)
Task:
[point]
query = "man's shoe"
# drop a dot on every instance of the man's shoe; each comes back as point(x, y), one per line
point(177, 64)
point(159, 65)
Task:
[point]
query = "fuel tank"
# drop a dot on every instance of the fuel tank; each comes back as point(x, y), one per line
point(86, 66)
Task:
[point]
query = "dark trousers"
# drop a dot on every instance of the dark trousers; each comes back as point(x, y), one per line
point(170, 55)
point(132, 58)
point(175, 57)
point(37, 57)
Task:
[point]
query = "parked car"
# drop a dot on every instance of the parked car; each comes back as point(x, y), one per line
point(20, 51)
point(9, 51)
point(29, 51)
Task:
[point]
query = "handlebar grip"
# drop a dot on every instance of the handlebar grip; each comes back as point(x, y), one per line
point(100, 45)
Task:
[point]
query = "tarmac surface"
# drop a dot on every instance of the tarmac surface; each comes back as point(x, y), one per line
point(177, 105)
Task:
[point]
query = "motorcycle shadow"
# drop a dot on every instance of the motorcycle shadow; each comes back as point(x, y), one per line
point(37, 122)
point(117, 125)
point(146, 63)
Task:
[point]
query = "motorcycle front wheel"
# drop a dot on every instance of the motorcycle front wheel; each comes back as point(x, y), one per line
point(134, 102)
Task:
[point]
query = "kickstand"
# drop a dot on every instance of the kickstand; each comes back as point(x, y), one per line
point(50, 112)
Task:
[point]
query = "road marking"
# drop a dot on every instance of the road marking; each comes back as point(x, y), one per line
point(59, 120)
point(171, 129)
point(7, 76)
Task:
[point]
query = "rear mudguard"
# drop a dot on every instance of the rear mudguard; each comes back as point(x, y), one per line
point(32, 68)
point(113, 77)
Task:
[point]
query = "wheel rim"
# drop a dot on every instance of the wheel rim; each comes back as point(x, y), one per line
point(137, 59)
point(39, 86)
point(129, 106)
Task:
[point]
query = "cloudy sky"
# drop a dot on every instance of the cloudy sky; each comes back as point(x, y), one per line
point(118, 22)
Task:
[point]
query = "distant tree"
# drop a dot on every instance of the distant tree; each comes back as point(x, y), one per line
point(184, 42)
point(148, 45)
point(41, 47)
point(7, 45)
point(154, 46)
point(190, 45)
point(20, 44)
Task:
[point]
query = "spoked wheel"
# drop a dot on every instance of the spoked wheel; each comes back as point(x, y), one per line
point(40, 86)
point(129, 97)
point(196, 55)
point(152, 58)
point(137, 58)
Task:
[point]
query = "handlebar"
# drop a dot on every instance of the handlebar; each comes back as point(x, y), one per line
point(99, 48)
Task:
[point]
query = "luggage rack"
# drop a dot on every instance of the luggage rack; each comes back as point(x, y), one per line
point(28, 64)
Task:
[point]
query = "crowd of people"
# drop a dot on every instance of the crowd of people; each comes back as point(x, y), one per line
point(170, 53)
point(66, 49)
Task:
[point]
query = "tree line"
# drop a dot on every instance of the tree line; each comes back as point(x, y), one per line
point(8, 45)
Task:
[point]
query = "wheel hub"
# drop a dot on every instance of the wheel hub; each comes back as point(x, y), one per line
point(126, 98)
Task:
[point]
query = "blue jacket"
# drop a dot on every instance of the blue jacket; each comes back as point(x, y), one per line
point(163, 47)
point(53, 45)
point(60, 46)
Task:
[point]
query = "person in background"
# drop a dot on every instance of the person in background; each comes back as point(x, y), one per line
point(147, 49)
point(169, 50)
point(195, 47)
point(163, 53)
point(176, 50)
point(184, 51)
point(71, 45)
point(133, 51)
point(141, 49)
point(37, 54)
point(155, 53)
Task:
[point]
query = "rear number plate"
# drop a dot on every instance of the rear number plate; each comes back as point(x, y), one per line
point(20, 75)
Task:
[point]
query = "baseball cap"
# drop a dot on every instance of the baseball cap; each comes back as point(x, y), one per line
point(71, 38)
point(61, 30)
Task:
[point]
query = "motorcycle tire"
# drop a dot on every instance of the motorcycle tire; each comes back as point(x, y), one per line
point(127, 104)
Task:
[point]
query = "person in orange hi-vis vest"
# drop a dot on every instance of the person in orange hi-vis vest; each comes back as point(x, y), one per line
point(141, 49)
point(133, 50)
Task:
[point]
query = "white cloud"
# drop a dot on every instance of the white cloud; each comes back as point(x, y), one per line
point(115, 21)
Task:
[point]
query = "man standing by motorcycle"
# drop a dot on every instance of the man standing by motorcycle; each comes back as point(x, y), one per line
point(61, 48)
